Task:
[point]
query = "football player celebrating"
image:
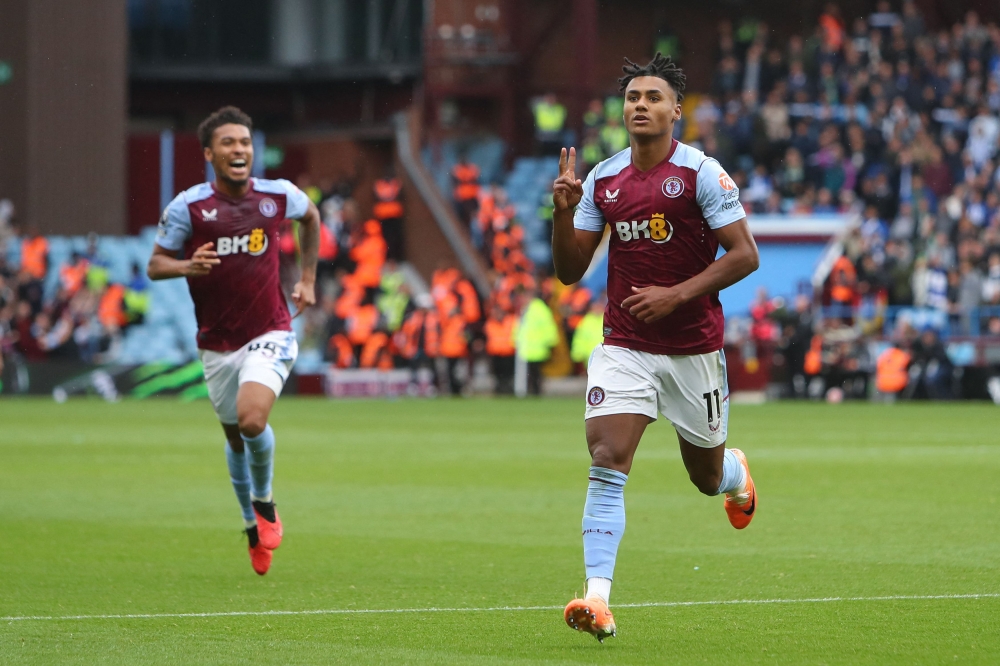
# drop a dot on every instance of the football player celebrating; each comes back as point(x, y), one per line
point(223, 237)
point(670, 207)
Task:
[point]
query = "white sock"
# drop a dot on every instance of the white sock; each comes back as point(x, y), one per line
point(249, 523)
point(599, 587)
point(265, 500)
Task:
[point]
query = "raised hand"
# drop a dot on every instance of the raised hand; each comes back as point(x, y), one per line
point(567, 190)
point(202, 260)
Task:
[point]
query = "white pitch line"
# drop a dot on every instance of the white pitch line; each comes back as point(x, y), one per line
point(489, 609)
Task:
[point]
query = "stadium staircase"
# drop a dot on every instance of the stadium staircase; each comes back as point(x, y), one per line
point(528, 184)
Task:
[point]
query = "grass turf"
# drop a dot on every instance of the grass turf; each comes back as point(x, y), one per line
point(126, 508)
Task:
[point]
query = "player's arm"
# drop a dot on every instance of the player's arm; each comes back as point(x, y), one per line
point(572, 248)
point(304, 293)
point(174, 230)
point(164, 263)
point(647, 304)
point(718, 198)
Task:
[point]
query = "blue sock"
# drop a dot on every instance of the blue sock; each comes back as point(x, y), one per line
point(603, 521)
point(261, 455)
point(732, 473)
point(239, 474)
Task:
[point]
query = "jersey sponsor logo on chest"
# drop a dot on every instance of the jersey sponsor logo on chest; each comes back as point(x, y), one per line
point(253, 243)
point(657, 229)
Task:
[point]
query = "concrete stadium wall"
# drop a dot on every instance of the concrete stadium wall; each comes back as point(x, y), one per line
point(62, 139)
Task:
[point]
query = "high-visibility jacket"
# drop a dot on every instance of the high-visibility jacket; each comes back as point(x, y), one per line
point(110, 312)
point(842, 279)
point(369, 254)
point(503, 295)
point(407, 338)
point(466, 175)
point(454, 343)
point(351, 295)
point(34, 256)
point(136, 302)
point(500, 335)
point(614, 138)
point(487, 208)
point(469, 301)
point(814, 357)
point(432, 334)
point(98, 277)
point(592, 152)
point(71, 276)
point(361, 324)
point(589, 333)
point(387, 204)
point(419, 332)
point(537, 332)
point(375, 353)
point(550, 117)
point(443, 292)
point(891, 370)
point(340, 351)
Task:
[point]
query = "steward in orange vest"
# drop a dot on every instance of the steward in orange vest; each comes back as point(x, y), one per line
point(814, 357)
point(110, 311)
point(454, 346)
point(892, 370)
point(369, 254)
point(35, 257)
point(73, 275)
point(466, 192)
point(499, 330)
point(843, 278)
point(388, 210)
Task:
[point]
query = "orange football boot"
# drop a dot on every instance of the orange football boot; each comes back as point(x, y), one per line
point(260, 556)
point(268, 524)
point(592, 616)
point(742, 507)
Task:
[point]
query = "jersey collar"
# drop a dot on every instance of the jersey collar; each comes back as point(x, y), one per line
point(643, 175)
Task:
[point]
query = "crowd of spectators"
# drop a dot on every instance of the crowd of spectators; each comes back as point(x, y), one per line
point(82, 319)
point(891, 122)
point(369, 318)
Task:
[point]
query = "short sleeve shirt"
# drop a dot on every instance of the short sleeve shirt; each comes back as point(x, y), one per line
point(661, 234)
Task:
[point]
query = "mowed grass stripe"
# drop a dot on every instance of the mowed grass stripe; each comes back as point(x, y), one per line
point(494, 609)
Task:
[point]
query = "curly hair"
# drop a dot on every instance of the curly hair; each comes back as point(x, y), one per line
point(224, 116)
point(660, 66)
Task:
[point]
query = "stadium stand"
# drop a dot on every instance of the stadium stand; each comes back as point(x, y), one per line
point(875, 117)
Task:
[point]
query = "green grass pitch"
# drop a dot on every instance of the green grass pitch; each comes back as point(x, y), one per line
point(126, 509)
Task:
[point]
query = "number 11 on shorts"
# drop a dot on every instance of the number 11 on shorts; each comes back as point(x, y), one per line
point(708, 403)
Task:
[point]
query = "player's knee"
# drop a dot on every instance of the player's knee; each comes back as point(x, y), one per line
point(252, 423)
point(606, 455)
point(706, 483)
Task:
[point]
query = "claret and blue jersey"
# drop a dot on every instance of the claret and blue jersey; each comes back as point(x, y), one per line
point(241, 298)
point(661, 235)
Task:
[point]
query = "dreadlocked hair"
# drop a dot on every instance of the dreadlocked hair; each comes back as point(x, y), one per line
point(662, 67)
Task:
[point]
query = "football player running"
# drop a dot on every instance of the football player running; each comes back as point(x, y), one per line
point(669, 207)
point(223, 237)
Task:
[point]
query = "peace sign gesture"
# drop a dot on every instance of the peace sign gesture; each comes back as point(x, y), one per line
point(567, 190)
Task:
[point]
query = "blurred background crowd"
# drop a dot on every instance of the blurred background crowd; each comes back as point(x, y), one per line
point(875, 118)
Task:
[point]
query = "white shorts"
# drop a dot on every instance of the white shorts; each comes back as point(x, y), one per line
point(690, 391)
point(267, 360)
